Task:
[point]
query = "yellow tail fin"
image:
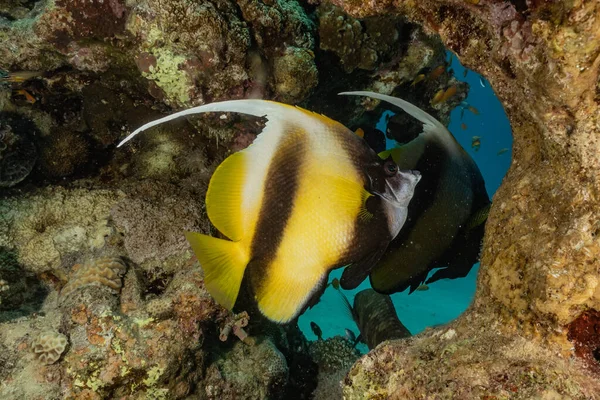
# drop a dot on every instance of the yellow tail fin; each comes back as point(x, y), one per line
point(223, 263)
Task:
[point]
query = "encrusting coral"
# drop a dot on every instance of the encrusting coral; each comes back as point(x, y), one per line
point(182, 53)
point(63, 153)
point(356, 46)
point(46, 229)
point(334, 356)
point(106, 272)
point(246, 371)
point(49, 347)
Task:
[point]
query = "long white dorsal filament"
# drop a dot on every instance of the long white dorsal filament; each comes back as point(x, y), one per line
point(258, 108)
point(430, 124)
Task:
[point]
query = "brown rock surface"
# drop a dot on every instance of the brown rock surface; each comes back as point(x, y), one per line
point(540, 263)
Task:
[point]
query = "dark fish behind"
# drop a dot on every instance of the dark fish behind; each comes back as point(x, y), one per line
point(375, 317)
point(446, 217)
point(375, 139)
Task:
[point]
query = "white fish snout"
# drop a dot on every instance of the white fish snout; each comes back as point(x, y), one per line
point(411, 175)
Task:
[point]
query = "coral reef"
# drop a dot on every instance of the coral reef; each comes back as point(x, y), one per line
point(3, 286)
point(583, 333)
point(357, 47)
point(539, 264)
point(17, 150)
point(383, 54)
point(100, 272)
point(458, 361)
point(181, 53)
point(107, 112)
point(138, 324)
point(63, 152)
point(334, 356)
point(49, 229)
point(153, 218)
point(248, 372)
point(118, 350)
point(141, 342)
point(48, 347)
point(21, 292)
point(295, 74)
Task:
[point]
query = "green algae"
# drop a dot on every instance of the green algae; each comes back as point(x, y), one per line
point(168, 76)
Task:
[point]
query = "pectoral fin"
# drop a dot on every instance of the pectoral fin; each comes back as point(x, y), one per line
point(357, 272)
point(349, 195)
point(391, 278)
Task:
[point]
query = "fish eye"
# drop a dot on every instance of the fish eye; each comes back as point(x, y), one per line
point(390, 168)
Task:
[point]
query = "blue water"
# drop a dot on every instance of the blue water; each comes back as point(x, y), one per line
point(446, 299)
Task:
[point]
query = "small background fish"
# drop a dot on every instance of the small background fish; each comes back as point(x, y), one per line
point(316, 330)
point(476, 143)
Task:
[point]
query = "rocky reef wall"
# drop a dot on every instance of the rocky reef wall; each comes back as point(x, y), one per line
point(538, 288)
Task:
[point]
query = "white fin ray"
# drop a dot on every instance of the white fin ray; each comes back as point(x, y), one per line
point(258, 108)
point(431, 125)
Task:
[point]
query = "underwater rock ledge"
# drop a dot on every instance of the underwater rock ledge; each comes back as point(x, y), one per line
point(540, 265)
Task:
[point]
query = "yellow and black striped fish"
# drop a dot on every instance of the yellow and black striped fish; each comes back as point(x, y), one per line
point(306, 197)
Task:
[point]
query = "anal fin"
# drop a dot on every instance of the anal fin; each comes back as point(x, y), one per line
point(282, 297)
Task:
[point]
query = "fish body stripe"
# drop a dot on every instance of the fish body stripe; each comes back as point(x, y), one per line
point(279, 194)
